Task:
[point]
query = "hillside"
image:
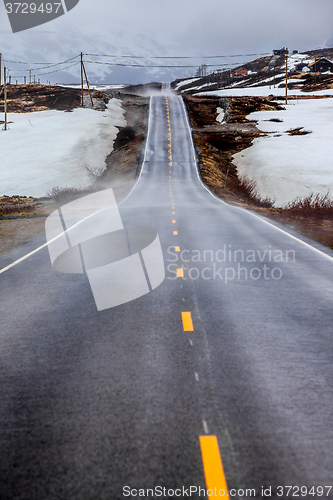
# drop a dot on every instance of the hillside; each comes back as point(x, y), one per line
point(263, 71)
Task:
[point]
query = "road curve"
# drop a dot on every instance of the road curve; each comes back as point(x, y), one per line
point(95, 401)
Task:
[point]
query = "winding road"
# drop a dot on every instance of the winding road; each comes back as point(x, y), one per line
point(236, 344)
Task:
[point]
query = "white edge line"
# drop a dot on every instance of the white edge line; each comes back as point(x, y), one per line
point(242, 209)
point(47, 243)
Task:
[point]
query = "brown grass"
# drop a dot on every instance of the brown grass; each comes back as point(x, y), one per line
point(298, 131)
point(16, 205)
point(316, 206)
point(250, 194)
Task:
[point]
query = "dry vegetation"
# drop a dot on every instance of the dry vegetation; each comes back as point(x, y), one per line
point(27, 98)
point(298, 131)
point(216, 143)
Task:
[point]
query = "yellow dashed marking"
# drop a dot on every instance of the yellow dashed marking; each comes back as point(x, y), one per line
point(173, 222)
point(187, 322)
point(177, 249)
point(212, 465)
point(175, 233)
point(180, 273)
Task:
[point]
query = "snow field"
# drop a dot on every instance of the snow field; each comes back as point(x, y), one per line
point(287, 167)
point(45, 149)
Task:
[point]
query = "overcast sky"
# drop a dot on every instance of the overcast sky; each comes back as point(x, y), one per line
point(166, 28)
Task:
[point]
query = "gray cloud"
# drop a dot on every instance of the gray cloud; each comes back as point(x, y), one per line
point(176, 27)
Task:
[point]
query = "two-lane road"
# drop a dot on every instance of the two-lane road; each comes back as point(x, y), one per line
point(94, 401)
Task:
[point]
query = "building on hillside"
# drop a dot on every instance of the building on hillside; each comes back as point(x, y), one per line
point(301, 66)
point(321, 66)
point(241, 72)
point(280, 52)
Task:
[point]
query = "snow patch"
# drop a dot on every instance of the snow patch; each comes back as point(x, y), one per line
point(263, 91)
point(45, 149)
point(221, 115)
point(285, 167)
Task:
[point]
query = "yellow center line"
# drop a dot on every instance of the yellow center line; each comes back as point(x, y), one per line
point(175, 233)
point(213, 468)
point(187, 322)
point(173, 222)
point(177, 249)
point(180, 273)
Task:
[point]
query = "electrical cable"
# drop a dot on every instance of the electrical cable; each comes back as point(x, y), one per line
point(44, 67)
point(156, 65)
point(57, 70)
point(177, 57)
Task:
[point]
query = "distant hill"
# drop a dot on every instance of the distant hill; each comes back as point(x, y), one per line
point(260, 69)
point(328, 53)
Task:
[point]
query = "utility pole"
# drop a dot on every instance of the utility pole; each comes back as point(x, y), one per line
point(84, 69)
point(30, 76)
point(0, 68)
point(5, 98)
point(81, 79)
point(286, 76)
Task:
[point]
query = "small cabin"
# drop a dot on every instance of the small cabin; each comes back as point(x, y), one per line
point(280, 52)
point(241, 72)
point(321, 66)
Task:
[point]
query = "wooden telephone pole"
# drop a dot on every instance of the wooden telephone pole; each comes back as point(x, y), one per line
point(81, 79)
point(83, 70)
point(286, 76)
point(5, 97)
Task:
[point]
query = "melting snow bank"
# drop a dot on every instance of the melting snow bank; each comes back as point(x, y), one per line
point(286, 167)
point(56, 148)
point(265, 90)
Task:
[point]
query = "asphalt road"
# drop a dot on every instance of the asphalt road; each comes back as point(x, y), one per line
point(92, 401)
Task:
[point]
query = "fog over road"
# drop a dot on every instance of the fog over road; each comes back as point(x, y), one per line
point(94, 401)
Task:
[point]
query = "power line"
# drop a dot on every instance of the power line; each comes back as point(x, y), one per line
point(52, 65)
point(176, 57)
point(21, 62)
point(45, 67)
point(57, 70)
point(156, 65)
